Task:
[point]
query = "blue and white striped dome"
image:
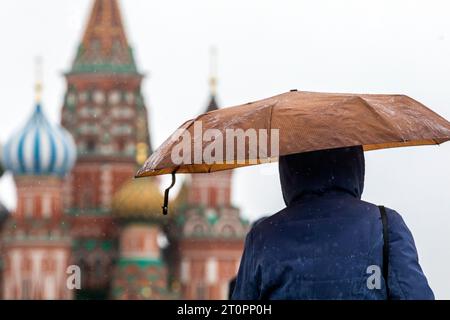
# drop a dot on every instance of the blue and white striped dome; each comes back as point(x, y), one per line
point(39, 148)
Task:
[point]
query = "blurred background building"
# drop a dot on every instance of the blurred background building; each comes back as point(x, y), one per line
point(78, 204)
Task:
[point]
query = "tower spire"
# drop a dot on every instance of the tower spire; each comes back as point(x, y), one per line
point(104, 46)
point(38, 80)
point(213, 71)
point(212, 79)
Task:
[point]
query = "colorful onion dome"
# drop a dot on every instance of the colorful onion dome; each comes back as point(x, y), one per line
point(138, 199)
point(39, 148)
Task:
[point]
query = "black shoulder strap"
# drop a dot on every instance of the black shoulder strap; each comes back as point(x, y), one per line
point(384, 221)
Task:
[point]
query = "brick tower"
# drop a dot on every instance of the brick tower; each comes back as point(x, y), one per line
point(105, 112)
point(212, 232)
point(36, 239)
point(141, 271)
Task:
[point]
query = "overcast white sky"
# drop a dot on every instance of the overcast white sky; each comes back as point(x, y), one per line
point(265, 47)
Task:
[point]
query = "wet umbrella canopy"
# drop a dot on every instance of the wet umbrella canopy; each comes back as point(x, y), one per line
point(309, 121)
point(299, 122)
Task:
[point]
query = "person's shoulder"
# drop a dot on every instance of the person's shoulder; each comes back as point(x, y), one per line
point(391, 213)
point(268, 224)
point(395, 219)
point(375, 208)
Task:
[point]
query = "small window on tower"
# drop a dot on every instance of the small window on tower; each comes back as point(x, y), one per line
point(46, 206)
point(185, 271)
point(130, 97)
point(83, 96)
point(200, 292)
point(29, 207)
point(99, 270)
point(99, 97)
point(26, 289)
point(212, 197)
point(90, 145)
point(87, 200)
point(71, 99)
point(114, 97)
point(121, 145)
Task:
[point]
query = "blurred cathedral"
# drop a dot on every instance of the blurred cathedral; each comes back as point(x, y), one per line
point(78, 204)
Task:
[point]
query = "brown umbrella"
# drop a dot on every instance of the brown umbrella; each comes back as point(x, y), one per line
point(307, 121)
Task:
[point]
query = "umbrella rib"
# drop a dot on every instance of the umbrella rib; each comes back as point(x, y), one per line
point(378, 115)
point(269, 127)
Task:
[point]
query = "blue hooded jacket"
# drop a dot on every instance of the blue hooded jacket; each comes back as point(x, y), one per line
point(328, 243)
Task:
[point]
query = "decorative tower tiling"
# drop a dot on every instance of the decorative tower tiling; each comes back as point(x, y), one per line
point(212, 232)
point(36, 240)
point(93, 215)
point(141, 271)
point(105, 112)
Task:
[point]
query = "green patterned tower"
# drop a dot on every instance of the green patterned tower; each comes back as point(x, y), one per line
point(104, 110)
point(141, 272)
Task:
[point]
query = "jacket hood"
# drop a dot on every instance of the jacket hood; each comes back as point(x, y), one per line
point(318, 172)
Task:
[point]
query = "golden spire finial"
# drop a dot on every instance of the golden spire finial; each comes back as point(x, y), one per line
point(213, 70)
point(38, 83)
